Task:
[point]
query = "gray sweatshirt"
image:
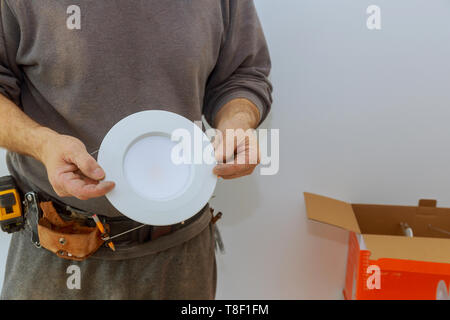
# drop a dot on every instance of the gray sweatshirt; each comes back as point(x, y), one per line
point(79, 70)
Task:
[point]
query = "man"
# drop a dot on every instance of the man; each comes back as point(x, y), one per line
point(70, 70)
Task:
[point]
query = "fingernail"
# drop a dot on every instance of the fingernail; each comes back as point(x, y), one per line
point(108, 185)
point(98, 173)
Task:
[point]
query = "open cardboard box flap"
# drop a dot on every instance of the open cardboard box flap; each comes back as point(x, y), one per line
point(380, 227)
point(331, 211)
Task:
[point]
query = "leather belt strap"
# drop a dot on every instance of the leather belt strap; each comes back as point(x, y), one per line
point(114, 223)
point(158, 232)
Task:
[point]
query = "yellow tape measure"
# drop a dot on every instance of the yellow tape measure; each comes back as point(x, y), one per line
point(11, 218)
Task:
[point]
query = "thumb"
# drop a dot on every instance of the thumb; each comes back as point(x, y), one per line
point(88, 166)
point(224, 148)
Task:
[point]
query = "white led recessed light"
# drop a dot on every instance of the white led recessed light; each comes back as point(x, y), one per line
point(137, 154)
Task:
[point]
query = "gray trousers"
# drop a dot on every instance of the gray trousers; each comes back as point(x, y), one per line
point(185, 271)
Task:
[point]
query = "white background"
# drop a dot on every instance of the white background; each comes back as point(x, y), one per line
point(363, 116)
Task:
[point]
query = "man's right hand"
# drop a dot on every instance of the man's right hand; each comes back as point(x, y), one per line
point(71, 170)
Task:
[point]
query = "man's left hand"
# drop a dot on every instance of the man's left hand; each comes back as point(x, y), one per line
point(237, 153)
point(236, 145)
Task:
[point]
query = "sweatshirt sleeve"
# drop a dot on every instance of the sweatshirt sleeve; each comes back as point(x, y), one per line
point(243, 66)
point(9, 72)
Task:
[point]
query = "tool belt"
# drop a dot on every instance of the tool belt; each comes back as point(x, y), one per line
point(67, 239)
point(72, 234)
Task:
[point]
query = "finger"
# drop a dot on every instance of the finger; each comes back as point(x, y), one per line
point(87, 180)
point(75, 186)
point(238, 174)
point(232, 169)
point(235, 176)
point(95, 190)
point(70, 171)
point(89, 191)
point(247, 151)
point(88, 166)
point(224, 148)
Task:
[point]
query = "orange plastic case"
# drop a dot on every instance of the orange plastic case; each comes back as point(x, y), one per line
point(398, 279)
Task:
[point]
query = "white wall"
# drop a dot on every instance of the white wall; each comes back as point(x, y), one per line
point(363, 116)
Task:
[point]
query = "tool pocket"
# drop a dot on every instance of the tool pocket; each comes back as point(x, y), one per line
point(67, 239)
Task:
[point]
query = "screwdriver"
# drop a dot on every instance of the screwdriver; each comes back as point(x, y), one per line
point(102, 230)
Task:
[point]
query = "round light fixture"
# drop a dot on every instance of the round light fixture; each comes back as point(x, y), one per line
point(161, 178)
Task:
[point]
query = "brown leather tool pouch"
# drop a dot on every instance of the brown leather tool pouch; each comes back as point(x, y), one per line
point(67, 239)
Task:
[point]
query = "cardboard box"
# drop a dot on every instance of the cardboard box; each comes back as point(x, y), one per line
point(384, 263)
